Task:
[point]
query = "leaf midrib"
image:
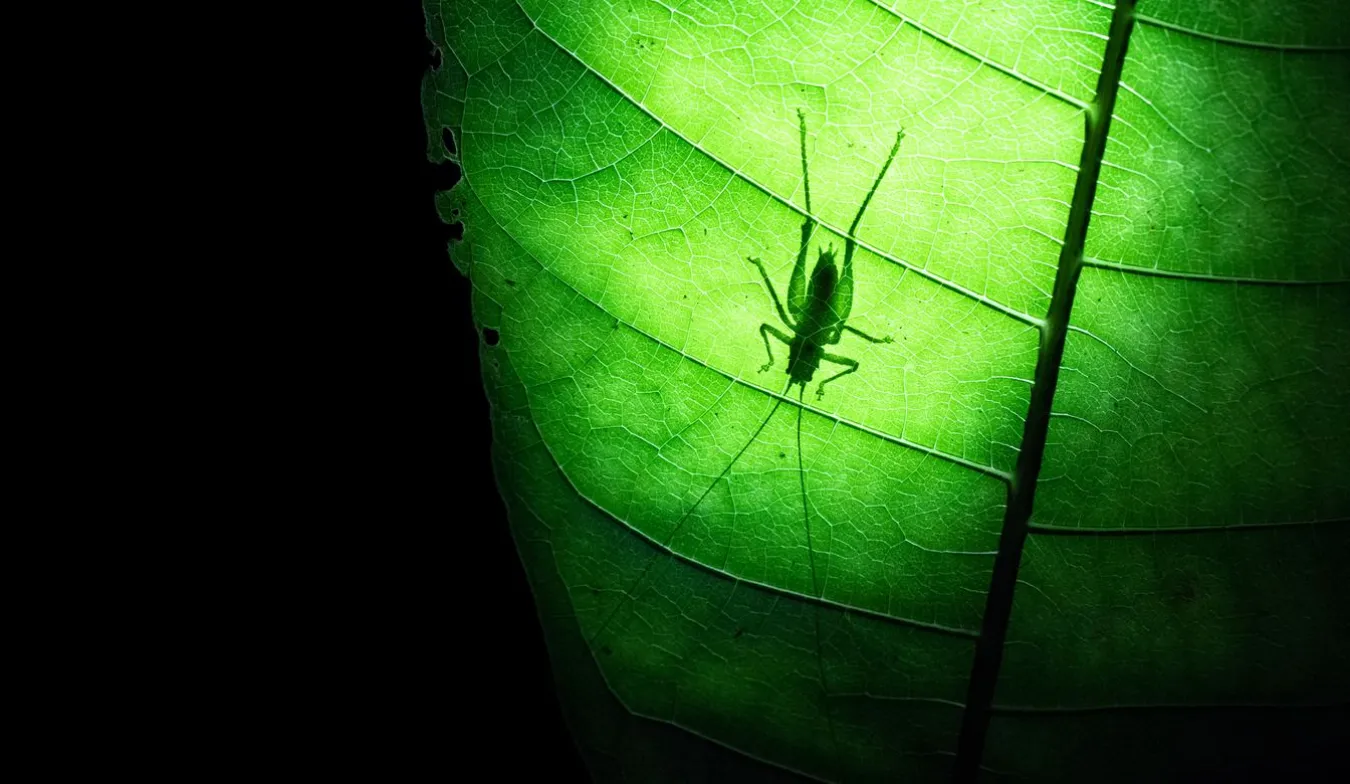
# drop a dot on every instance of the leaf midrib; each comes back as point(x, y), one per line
point(989, 648)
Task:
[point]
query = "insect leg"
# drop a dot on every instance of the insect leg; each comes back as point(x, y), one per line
point(868, 337)
point(781, 313)
point(797, 284)
point(845, 290)
point(764, 330)
point(850, 364)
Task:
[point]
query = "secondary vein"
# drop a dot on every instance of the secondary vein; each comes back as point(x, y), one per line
point(1155, 272)
point(1223, 39)
point(1012, 313)
point(1060, 530)
point(987, 470)
point(661, 548)
point(979, 58)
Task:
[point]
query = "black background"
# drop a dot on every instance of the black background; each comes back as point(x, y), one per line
point(478, 689)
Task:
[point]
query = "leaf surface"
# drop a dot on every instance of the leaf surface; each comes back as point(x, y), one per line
point(1185, 557)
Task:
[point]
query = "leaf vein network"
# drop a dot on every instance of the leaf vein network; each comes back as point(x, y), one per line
point(1006, 310)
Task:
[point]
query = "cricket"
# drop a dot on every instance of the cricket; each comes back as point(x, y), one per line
point(817, 314)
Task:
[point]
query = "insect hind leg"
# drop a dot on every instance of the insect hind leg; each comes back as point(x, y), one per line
point(782, 314)
point(797, 285)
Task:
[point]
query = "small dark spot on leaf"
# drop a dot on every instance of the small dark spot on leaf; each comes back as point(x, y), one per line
point(510, 283)
point(491, 336)
point(616, 324)
point(739, 632)
point(782, 454)
point(1183, 589)
point(686, 296)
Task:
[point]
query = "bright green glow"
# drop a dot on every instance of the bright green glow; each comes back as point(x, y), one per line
point(621, 161)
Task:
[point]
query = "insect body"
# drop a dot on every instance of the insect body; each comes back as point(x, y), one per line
point(817, 313)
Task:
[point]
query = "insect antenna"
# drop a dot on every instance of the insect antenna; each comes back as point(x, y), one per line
point(815, 583)
point(631, 592)
point(806, 510)
point(727, 470)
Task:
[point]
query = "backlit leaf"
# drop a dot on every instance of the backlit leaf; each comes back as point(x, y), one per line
point(811, 606)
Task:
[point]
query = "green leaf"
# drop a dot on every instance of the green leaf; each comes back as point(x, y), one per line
point(1113, 254)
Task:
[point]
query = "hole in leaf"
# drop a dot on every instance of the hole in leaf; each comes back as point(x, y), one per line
point(445, 175)
point(491, 336)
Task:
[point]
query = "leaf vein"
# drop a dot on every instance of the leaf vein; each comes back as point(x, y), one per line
point(1006, 310)
point(997, 66)
point(1252, 44)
